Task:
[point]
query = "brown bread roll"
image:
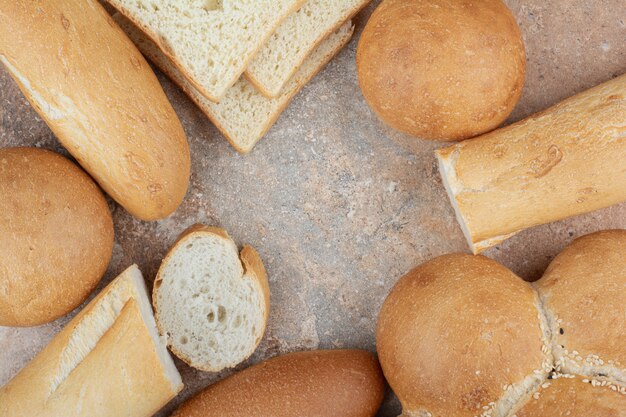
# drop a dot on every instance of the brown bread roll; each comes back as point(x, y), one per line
point(100, 97)
point(442, 69)
point(56, 236)
point(330, 383)
point(462, 336)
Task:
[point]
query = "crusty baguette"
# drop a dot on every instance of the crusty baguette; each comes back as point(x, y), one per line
point(101, 99)
point(210, 42)
point(107, 362)
point(564, 161)
point(292, 43)
point(331, 383)
point(244, 115)
point(56, 236)
point(211, 302)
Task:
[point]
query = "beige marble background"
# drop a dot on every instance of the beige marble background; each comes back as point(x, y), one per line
point(339, 205)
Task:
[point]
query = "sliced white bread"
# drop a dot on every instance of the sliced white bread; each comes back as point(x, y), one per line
point(211, 302)
point(109, 361)
point(244, 115)
point(287, 49)
point(211, 42)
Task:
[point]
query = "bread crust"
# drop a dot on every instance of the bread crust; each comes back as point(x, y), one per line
point(345, 383)
point(107, 109)
point(167, 50)
point(252, 269)
point(564, 161)
point(441, 69)
point(56, 236)
point(120, 373)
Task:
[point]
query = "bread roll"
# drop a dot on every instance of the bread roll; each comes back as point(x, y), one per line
point(345, 383)
point(101, 99)
point(211, 302)
point(462, 336)
point(562, 162)
point(575, 397)
point(584, 294)
point(441, 69)
point(456, 330)
point(107, 362)
point(56, 236)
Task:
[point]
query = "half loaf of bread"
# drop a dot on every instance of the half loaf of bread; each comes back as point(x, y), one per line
point(211, 42)
point(109, 361)
point(211, 302)
point(244, 115)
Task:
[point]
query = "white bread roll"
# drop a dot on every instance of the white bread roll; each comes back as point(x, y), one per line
point(100, 97)
point(331, 383)
point(564, 161)
point(461, 336)
point(107, 362)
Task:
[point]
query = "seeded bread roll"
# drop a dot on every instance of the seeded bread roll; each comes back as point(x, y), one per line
point(100, 97)
point(56, 236)
point(584, 292)
point(575, 397)
point(346, 383)
point(456, 330)
point(441, 69)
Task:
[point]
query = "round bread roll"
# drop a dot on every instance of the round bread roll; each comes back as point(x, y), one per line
point(326, 383)
point(574, 397)
point(56, 236)
point(442, 69)
point(584, 297)
point(455, 332)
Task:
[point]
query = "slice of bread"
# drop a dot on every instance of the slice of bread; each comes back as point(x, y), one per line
point(211, 303)
point(210, 41)
point(244, 115)
point(287, 49)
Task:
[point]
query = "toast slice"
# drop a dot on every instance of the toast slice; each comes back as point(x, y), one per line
point(211, 302)
point(211, 42)
point(109, 361)
point(244, 115)
point(287, 49)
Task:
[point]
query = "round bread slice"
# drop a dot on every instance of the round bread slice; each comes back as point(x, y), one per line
point(211, 302)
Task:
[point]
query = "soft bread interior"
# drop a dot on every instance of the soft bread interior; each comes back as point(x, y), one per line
point(212, 313)
point(96, 321)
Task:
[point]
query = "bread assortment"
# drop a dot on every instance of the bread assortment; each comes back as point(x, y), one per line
point(109, 361)
point(461, 335)
point(211, 301)
point(564, 161)
point(56, 236)
point(305, 384)
point(458, 336)
point(107, 109)
point(441, 69)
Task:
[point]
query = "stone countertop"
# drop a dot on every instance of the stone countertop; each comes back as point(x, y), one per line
point(339, 205)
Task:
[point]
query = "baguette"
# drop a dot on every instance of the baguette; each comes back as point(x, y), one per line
point(101, 99)
point(107, 362)
point(567, 160)
point(346, 383)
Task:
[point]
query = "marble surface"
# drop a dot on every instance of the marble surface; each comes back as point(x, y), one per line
point(338, 205)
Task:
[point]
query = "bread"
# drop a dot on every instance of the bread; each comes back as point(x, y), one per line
point(210, 303)
point(108, 109)
point(245, 115)
point(562, 162)
point(461, 336)
point(441, 69)
point(288, 48)
point(574, 397)
point(107, 362)
point(211, 42)
point(345, 383)
point(56, 236)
